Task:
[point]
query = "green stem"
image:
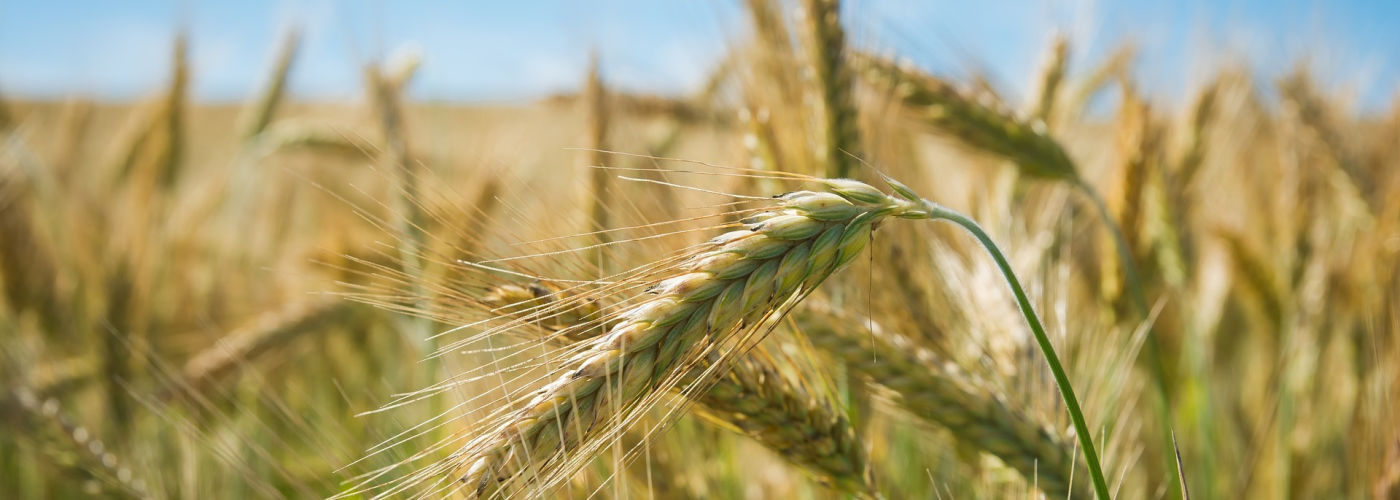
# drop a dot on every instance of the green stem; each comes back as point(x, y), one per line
point(1081, 429)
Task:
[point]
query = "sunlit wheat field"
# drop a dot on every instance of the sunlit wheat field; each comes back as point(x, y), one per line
point(825, 270)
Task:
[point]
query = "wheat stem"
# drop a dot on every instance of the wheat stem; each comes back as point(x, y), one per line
point(1076, 415)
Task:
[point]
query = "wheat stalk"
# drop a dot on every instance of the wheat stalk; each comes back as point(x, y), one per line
point(775, 58)
point(595, 98)
point(934, 389)
point(739, 282)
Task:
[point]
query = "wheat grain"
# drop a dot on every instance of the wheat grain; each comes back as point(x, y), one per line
point(1312, 110)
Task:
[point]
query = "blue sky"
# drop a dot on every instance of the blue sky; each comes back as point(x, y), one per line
point(509, 51)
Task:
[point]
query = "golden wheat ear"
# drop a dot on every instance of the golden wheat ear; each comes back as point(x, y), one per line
point(738, 282)
point(754, 396)
point(934, 389)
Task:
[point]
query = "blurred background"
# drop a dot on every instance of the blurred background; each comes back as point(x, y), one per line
point(229, 231)
point(515, 53)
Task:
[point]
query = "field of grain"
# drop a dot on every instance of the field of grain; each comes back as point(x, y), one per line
point(766, 289)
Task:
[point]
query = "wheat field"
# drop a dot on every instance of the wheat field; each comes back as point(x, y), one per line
point(767, 288)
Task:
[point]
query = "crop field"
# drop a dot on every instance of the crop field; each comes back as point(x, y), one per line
point(827, 273)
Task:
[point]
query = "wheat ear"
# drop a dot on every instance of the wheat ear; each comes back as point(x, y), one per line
point(325, 138)
point(258, 115)
point(935, 390)
point(740, 281)
point(1051, 76)
point(170, 155)
point(785, 416)
point(265, 332)
point(826, 43)
point(979, 124)
point(752, 397)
